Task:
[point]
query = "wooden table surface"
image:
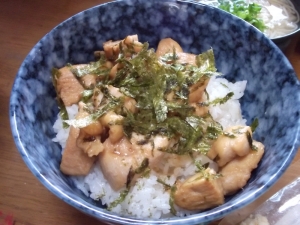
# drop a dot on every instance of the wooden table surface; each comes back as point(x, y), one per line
point(23, 200)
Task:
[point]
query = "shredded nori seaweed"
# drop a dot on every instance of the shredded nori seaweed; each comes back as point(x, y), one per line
point(149, 79)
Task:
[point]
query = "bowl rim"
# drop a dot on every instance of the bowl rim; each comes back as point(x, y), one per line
point(107, 216)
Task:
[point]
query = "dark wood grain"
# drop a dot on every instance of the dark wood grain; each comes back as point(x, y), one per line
point(23, 200)
point(22, 24)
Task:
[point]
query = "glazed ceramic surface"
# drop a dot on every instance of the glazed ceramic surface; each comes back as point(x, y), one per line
point(242, 53)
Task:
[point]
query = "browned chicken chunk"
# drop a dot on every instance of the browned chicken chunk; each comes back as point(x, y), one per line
point(152, 149)
point(110, 121)
point(68, 87)
point(237, 172)
point(91, 145)
point(119, 158)
point(115, 162)
point(186, 58)
point(74, 160)
point(93, 129)
point(198, 192)
point(197, 91)
point(112, 48)
point(236, 143)
point(88, 80)
point(167, 45)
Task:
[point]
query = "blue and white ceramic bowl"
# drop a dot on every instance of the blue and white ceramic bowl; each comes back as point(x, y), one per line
point(241, 52)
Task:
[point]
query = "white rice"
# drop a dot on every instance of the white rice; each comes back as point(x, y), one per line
point(148, 198)
point(61, 133)
point(227, 114)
